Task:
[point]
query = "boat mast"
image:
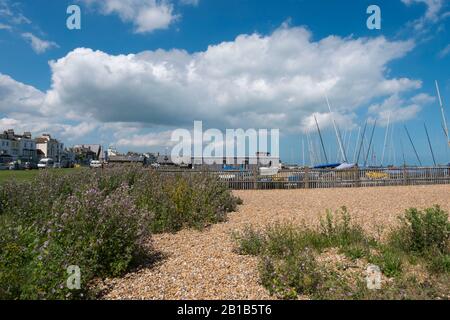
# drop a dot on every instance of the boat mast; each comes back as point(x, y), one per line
point(347, 150)
point(356, 145)
point(370, 142)
point(414, 147)
point(444, 121)
point(403, 152)
point(392, 149)
point(312, 154)
point(429, 144)
point(362, 142)
point(303, 151)
point(344, 156)
point(386, 138)
point(321, 139)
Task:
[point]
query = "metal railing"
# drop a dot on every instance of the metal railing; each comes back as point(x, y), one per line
point(327, 178)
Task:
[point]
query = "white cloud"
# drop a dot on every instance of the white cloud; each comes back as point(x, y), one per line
point(146, 15)
point(8, 123)
point(39, 46)
point(154, 139)
point(259, 81)
point(18, 97)
point(274, 81)
point(77, 131)
point(432, 13)
point(190, 2)
point(398, 109)
point(5, 27)
point(325, 120)
point(444, 52)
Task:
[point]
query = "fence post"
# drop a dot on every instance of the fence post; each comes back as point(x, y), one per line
point(255, 178)
point(357, 176)
point(306, 178)
point(405, 176)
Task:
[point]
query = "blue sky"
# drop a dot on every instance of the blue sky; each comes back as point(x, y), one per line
point(139, 69)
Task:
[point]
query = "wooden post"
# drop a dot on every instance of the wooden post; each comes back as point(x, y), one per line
point(306, 178)
point(405, 176)
point(357, 177)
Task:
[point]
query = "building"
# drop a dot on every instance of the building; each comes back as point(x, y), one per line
point(27, 147)
point(17, 147)
point(49, 147)
point(84, 153)
point(5, 148)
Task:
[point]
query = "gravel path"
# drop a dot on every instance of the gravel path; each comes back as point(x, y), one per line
point(202, 265)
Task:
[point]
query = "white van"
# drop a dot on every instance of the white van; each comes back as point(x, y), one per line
point(45, 163)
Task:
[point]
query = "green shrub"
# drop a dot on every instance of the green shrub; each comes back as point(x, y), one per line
point(288, 266)
point(249, 241)
point(422, 231)
point(338, 231)
point(355, 251)
point(390, 261)
point(439, 262)
point(184, 201)
point(295, 274)
point(97, 232)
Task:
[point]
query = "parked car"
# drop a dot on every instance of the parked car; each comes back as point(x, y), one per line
point(95, 164)
point(57, 165)
point(16, 165)
point(46, 163)
point(66, 164)
point(30, 165)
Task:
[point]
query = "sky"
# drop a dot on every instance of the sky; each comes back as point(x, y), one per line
point(139, 69)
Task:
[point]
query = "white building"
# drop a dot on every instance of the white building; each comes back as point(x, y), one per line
point(17, 147)
point(49, 147)
point(27, 147)
point(5, 145)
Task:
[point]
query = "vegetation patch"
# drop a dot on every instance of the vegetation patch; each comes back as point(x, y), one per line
point(98, 220)
point(330, 262)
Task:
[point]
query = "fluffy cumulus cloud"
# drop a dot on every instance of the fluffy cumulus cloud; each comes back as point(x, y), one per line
point(266, 81)
point(273, 81)
point(325, 120)
point(145, 15)
point(18, 97)
point(398, 109)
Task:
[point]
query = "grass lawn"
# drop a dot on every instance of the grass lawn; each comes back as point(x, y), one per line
point(23, 175)
point(20, 175)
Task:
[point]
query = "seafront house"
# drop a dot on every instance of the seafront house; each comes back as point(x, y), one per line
point(48, 147)
point(85, 153)
point(27, 147)
point(17, 147)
